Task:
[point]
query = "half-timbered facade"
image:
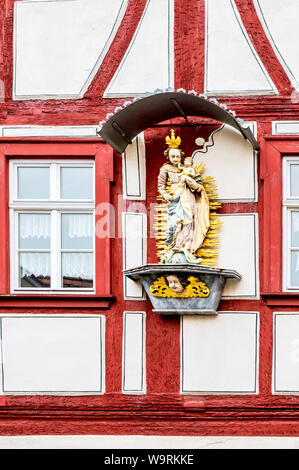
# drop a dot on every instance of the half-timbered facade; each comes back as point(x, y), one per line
point(81, 348)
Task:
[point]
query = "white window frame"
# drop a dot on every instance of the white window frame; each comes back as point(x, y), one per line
point(290, 204)
point(56, 207)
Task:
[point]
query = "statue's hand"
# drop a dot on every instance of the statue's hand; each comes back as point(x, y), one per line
point(183, 178)
point(190, 180)
point(167, 197)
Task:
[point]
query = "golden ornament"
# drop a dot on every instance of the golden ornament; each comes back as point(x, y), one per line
point(195, 288)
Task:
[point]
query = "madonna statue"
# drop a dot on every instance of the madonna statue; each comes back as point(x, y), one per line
point(188, 210)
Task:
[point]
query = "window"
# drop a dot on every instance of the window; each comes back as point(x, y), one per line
point(291, 222)
point(279, 189)
point(52, 225)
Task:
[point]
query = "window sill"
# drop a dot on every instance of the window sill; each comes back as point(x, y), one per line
point(281, 299)
point(55, 300)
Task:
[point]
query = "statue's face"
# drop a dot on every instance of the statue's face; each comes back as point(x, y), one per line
point(175, 156)
point(188, 162)
point(175, 284)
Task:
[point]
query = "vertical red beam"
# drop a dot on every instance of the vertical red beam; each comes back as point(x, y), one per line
point(162, 354)
point(104, 211)
point(7, 17)
point(271, 175)
point(189, 44)
point(4, 226)
point(265, 352)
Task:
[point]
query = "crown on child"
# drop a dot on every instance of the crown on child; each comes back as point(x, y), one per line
point(173, 142)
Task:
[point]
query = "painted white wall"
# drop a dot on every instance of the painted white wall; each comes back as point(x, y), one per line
point(286, 353)
point(134, 353)
point(148, 62)
point(230, 159)
point(52, 354)
point(59, 45)
point(134, 172)
point(238, 250)
point(285, 127)
point(280, 21)
point(51, 131)
point(232, 64)
point(148, 442)
point(219, 353)
point(134, 251)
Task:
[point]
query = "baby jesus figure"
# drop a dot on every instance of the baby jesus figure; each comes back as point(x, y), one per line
point(188, 169)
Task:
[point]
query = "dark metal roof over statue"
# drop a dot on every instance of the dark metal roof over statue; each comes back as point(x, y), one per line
point(121, 128)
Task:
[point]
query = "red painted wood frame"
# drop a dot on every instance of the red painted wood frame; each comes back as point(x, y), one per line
point(273, 149)
point(102, 154)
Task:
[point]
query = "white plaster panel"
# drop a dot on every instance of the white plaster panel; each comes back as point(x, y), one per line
point(59, 45)
point(148, 62)
point(232, 64)
point(238, 250)
point(52, 354)
point(134, 245)
point(285, 127)
point(280, 21)
point(219, 353)
point(134, 174)
point(45, 131)
point(134, 353)
point(148, 442)
point(230, 159)
point(286, 353)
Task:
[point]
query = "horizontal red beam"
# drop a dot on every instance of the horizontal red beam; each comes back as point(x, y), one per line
point(55, 301)
point(281, 299)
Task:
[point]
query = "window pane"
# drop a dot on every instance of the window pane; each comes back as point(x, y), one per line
point(77, 231)
point(76, 183)
point(294, 180)
point(34, 231)
point(34, 270)
point(33, 183)
point(295, 229)
point(77, 270)
point(295, 268)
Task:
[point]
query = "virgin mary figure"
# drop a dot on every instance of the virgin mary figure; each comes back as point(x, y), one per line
point(188, 206)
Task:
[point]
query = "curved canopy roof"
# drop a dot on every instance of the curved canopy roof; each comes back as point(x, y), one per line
point(120, 129)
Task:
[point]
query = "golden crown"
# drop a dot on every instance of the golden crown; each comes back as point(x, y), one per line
point(173, 142)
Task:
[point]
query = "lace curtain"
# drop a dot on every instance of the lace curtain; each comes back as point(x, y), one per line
point(39, 225)
point(295, 220)
point(35, 263)
point(79, 225)
point(75, 265)
point(34, 226)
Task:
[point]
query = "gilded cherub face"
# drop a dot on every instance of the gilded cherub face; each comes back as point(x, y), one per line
point(175, 284)
point(175, 156)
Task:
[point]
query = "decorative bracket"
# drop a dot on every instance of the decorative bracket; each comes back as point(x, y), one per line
point(178, 289)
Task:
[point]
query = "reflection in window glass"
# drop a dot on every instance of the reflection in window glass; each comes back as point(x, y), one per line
point(34, 231)
point(34, 270)
point(77, 231)
point(294, 180)
point(76, 183)
point(295, 268)
point(295, 229)
point(33, 183)
point(77, 270)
